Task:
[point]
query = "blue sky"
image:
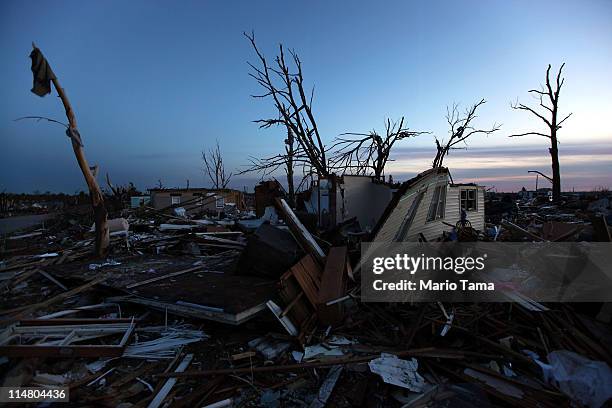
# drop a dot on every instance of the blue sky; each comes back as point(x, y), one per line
point(153, 83)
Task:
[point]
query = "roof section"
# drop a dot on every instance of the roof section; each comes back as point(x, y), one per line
point(400, 193)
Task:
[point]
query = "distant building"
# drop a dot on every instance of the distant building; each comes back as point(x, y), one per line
point(197, 199)
point(139, 201)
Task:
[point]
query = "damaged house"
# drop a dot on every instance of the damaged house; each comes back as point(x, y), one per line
point(429, 205)
point(196, 199)
point(336, 200)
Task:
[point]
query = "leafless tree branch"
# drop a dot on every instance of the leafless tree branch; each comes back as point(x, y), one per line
point(214, 167)
point(285, 87)
point(368, 154)
point(460, 129)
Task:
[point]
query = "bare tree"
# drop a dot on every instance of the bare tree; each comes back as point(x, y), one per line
point(121, 193)
point(549, 100)
point(369, 154)
point(214, 167)
point(285, 87)
point(461, 128)
point(293, 156)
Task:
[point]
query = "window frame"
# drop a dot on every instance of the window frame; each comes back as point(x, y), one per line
point(467, 199)
point(437, 207)
point(175, 197)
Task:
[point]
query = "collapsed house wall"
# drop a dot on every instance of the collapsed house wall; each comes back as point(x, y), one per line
point(429, 205)
point(364, 199)
point(359, 197)
point(209, 200)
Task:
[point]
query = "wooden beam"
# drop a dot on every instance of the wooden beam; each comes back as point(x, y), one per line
point(300, 232)
point(333, 284)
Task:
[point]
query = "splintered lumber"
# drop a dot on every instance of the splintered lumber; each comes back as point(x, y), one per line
point(58, 298)
point(299, 231)
point(327, 387)
point(308, 275)
point(522, 231)
point(165, 389)
point(240, 356)
point(332, 286)
point(430, 352)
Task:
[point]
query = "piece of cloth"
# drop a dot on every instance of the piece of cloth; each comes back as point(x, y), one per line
point(42, 73)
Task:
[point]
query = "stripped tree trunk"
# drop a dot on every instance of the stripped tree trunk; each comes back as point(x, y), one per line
point(549, 93)
point(97, 198)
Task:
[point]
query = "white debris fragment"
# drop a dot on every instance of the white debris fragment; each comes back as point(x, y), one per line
point(448, 325)
point(47, 255)
point(109, 262)
point(284, 320)
point(586, 381)
point(269, 348)
point(166, 346)
point(449, 319)
point(331, 348)
point(395, 371)
point(327, 387)
point(298, 356)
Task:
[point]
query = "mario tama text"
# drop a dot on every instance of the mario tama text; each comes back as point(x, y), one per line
point(420, 268)
point(431, 285)
point(485, 272)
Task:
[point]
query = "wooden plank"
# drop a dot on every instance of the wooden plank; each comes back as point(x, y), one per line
point(289, 291)
point(332, 286)
point(165, 389)
point(308, 275)
point(299, 231)
point(52, 279)
point(55, 299)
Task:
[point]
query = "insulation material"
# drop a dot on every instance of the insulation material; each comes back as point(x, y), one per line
point(395, 371)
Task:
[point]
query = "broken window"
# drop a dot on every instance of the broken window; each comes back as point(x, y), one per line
point(437, 206)
point(403, 230)
point(175, 199)
point(220, 201)
point(199, 198)
point(468, 199)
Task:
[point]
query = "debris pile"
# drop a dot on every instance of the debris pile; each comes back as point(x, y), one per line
point(263, 308)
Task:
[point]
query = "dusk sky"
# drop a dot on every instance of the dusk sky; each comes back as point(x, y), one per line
point(155, 82)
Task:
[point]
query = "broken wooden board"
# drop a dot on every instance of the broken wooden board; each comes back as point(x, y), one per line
point(299, 231)
point(332, 286)
point(308, 274)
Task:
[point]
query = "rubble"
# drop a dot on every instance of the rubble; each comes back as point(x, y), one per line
point(193, 309)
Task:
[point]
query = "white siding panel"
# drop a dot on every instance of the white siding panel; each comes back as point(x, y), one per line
point(432, 230)
point(394, 221)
